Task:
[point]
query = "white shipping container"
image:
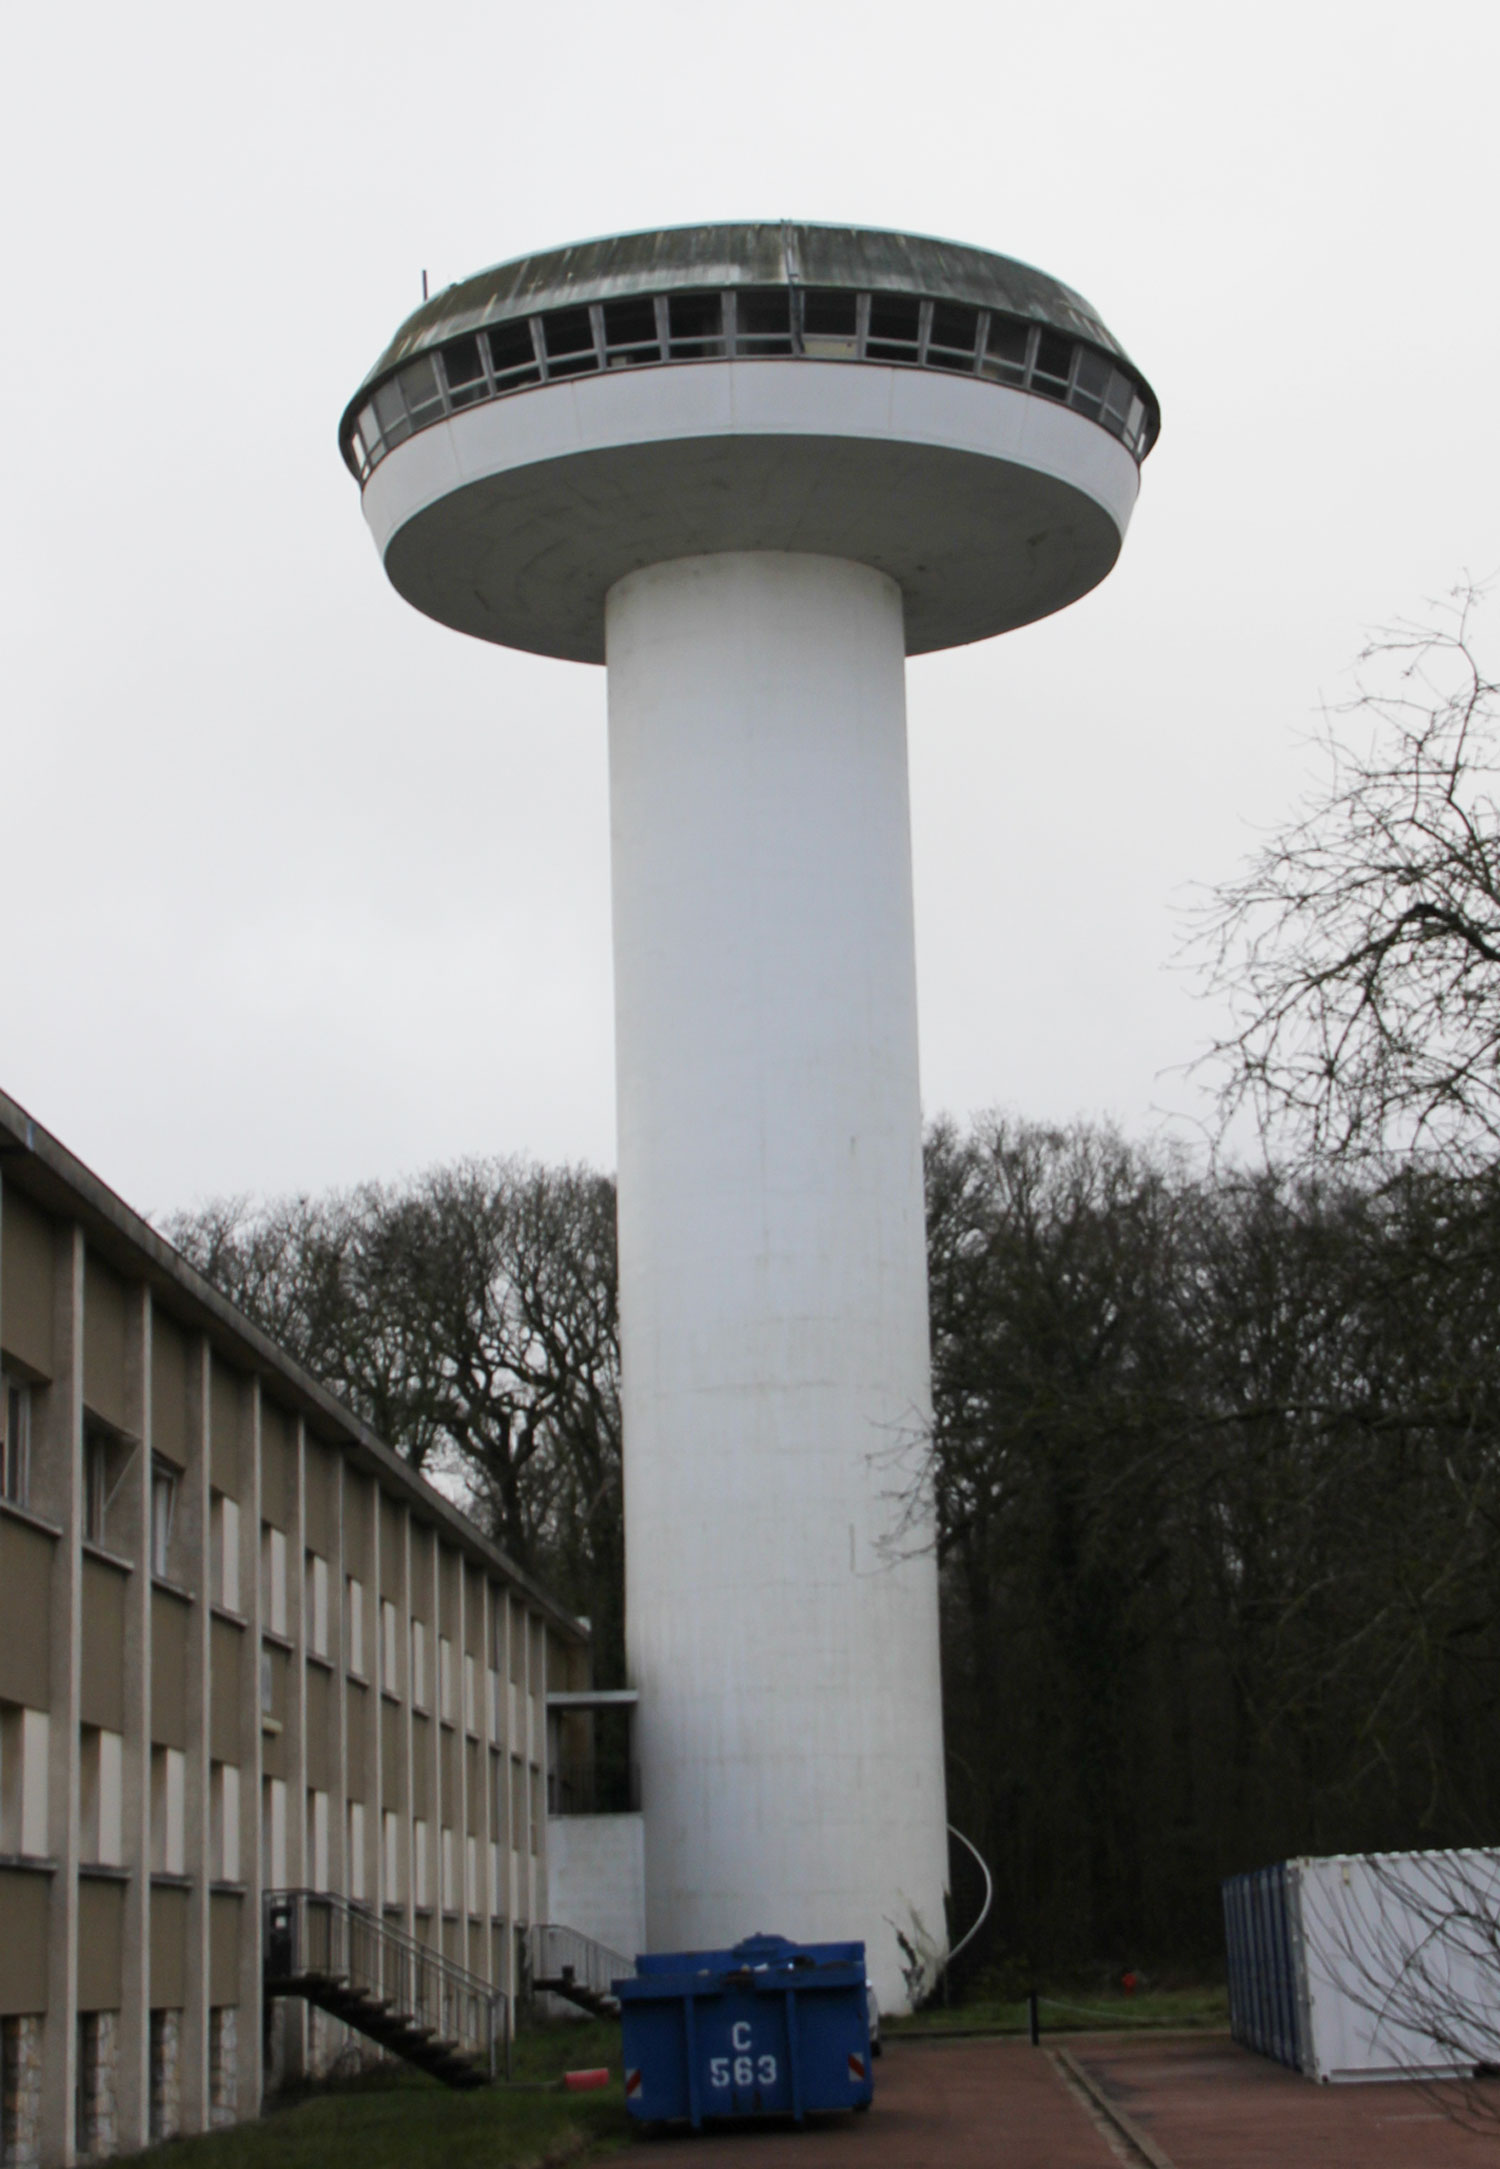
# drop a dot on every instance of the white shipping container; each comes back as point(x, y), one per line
point(1369, 1966)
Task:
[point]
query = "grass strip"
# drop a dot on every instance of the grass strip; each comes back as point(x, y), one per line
point(396, 2118)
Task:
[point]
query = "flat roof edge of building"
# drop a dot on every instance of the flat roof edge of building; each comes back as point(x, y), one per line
point(60, 1178)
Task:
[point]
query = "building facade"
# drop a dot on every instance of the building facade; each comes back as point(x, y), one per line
point(243, 1648)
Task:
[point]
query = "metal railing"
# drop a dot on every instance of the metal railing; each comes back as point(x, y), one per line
point(562, 1954)
point(320, 1939)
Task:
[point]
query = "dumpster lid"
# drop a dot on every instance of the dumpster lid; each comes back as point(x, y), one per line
point(759, 1961)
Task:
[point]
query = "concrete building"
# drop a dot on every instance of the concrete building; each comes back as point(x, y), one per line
point(243, 1648)
point(752, 468)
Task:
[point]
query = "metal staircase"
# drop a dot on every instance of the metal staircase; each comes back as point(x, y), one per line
point(383, 1982)
point(564, 1963)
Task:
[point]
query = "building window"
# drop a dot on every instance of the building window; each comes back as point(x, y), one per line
point(536, 1809)
point(273, 1832)
point(24, 1742)
point(15, 1449)
point(101, 1796)
point(418, 1664)
point(471, 1873)
point(517, 1804)
point(273, 1579)
point(449, 1869)
point(390, 1863)
point(471, 1693)
point(224, 1822)
point(498, 1803)
point(316, 1866)
point(354, 1626)
point(168, 1811)
point(388, 1635)
point(356, 1865)
point(163, 1511)
point(763, 321)
point(95, 1483)
point(824, 323)
point(830, 325)
point(419, 1891)
point(445, 1679)
point(224, 1518)
point(630, 332)
point(316, 1624)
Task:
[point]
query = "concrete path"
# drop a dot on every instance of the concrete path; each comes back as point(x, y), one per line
point(1206, 2103)
point(949, 2105)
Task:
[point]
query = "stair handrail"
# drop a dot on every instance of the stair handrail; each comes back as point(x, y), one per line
point(554, 1950)
point(321, 1934)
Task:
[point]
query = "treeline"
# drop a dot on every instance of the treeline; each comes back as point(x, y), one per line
point(1215, 1462)
point(470, 1318)
point(1218, 1489)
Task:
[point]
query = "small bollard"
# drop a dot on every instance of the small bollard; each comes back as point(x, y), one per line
point(1034, 2018)
point(582, 2082)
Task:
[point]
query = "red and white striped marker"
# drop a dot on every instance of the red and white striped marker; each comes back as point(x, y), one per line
point(632, 2084)
point(856, 2068)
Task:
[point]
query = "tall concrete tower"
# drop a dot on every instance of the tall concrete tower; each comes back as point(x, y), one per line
point(751, 469)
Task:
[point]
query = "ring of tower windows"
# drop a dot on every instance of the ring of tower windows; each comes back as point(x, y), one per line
point(748, 323)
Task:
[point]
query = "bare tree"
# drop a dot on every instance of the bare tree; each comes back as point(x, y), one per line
point(1360, 950)
point(470, 1317)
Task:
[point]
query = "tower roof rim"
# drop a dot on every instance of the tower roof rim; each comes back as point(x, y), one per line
point(742, 253)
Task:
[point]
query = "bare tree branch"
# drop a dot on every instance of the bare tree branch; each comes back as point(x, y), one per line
point(1360, 949)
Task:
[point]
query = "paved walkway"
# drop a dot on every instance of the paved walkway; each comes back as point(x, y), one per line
point(1209, 2104)
point(949, 2105)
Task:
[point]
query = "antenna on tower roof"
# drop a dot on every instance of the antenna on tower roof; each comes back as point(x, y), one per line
point(424, 286)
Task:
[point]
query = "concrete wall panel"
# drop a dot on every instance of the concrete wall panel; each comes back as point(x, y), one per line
point(169, 1390)
point(169, 1660)
point(226, 1730)
point(596, 1878)
point(26, 1282)
point(392, 1551)
point(421, 1768)
point(322, 1736)
point(357, 1721)
point(25, 1597)
point(227, 1410)
point(104, 1343)
point(358, 1500)
point(169, 1925)
point(225, 1916)
point(102, 1687)
point(392, 1750)
point(278, 1466)
point(23, 1945)
point(101, 1933)
point(320, 1515)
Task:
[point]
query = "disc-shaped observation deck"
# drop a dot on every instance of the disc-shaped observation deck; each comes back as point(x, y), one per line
point(959, 421)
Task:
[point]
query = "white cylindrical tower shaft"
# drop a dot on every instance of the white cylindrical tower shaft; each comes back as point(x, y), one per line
point(781, 1583)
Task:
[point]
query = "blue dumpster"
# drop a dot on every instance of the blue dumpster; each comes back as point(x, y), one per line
point(770, 2028)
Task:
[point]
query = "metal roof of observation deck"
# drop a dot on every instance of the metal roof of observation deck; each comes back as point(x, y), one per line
point(777, 253)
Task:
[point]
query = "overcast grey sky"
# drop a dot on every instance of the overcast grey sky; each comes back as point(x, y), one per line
point(300, 888)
